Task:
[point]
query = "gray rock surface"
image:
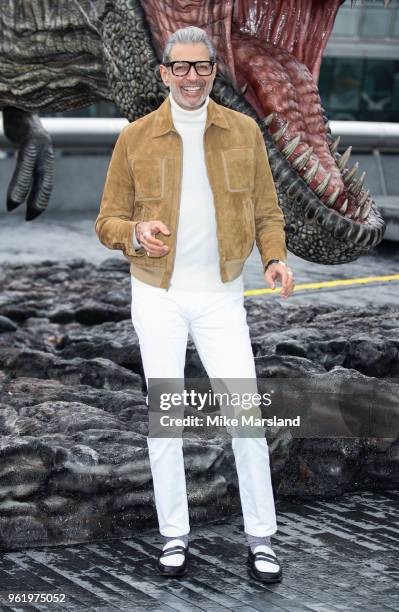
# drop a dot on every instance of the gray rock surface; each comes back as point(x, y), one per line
point(73, 418)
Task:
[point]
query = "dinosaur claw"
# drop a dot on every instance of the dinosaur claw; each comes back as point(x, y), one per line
point(12, 205)
point(32, 213)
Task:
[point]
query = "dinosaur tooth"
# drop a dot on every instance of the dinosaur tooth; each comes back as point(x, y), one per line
point(277, 135)
point(357, 185)
point(331, 200)
point(344, 207)
point(356, 213)
point(300, 162)
point(335, 144)
point(365, 210)
point(349, 175)
point(364, 197)
point(291, 146)
point(244, 88)
point(320, 189)
point(327, 126)
point(267, 121)
point(311, 173)
point(342, 161)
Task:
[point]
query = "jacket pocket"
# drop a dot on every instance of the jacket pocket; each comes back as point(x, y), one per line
point(250, 215)
point(239, 166)
point(149, 178)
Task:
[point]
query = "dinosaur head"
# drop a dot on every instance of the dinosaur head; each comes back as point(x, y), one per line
point(269, 56)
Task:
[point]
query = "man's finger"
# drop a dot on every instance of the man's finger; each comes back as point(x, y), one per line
point(288, 287)
point(156, 251)
point(160, 226)
point(154, 242)
point(154, 247)
point(285, 279)
point(270, 279)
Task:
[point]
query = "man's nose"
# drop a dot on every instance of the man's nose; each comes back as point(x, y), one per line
point(192, 75)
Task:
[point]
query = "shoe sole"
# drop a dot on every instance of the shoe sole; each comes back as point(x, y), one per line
point(270, 580)
point(266, 580)
point(172, 575)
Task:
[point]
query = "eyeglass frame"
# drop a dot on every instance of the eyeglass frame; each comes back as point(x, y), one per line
point(171, 64)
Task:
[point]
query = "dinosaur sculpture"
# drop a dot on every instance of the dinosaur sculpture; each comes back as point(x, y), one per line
point(69, 54)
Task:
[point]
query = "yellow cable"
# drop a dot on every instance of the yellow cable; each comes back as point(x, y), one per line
point(334, 283)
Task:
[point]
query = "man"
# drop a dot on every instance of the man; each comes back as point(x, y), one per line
point(188, 190)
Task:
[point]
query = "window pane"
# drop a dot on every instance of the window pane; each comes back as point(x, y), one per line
point(345, 87)
point(346, 22)
point(326, 70)
point(360, 89)
point(396, 26)
point(376, 22)
point(390, 164)
point(377, 90)
point(395, 95)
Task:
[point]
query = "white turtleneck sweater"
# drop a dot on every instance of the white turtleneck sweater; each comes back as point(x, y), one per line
point(196, 265)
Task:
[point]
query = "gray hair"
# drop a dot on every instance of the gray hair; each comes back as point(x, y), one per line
point(192, 34)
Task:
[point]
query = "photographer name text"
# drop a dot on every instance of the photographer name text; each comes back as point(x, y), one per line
point(223, 421)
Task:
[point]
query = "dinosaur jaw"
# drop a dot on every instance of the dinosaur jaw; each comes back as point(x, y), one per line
point(284, 94)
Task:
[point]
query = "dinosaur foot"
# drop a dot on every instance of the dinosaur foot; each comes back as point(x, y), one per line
point(32, 180)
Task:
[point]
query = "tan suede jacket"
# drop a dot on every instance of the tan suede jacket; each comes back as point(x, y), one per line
point(143, 183)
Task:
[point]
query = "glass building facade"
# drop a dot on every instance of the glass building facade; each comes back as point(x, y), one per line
point(360, 89)
point(359, 75)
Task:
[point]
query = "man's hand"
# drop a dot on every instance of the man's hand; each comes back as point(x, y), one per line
point(145, 234)
point(282, 272)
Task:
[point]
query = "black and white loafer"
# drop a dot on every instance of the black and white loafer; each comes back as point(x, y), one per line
point(264, 565)
point(173, 559)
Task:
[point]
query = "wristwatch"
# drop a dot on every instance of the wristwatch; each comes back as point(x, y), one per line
point(274, 261)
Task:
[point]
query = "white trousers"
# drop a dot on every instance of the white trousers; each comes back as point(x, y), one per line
point(218, 327)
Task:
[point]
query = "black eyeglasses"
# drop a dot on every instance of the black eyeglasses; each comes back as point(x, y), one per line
point(181, 68)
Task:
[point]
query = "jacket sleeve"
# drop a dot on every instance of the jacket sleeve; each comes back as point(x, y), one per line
point(269, 218)
point(114, 227)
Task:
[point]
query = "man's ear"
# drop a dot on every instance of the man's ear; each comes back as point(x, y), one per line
point(164, 74)
point(214, 71)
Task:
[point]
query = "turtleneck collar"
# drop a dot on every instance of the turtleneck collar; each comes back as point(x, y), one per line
point(189, 116)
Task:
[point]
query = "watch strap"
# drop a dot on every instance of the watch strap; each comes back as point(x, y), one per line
point(274, 261)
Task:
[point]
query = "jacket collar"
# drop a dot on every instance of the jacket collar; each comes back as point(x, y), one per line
point(164, 123)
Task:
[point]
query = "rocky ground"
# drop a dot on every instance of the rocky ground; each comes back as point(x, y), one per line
point(73, 419)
